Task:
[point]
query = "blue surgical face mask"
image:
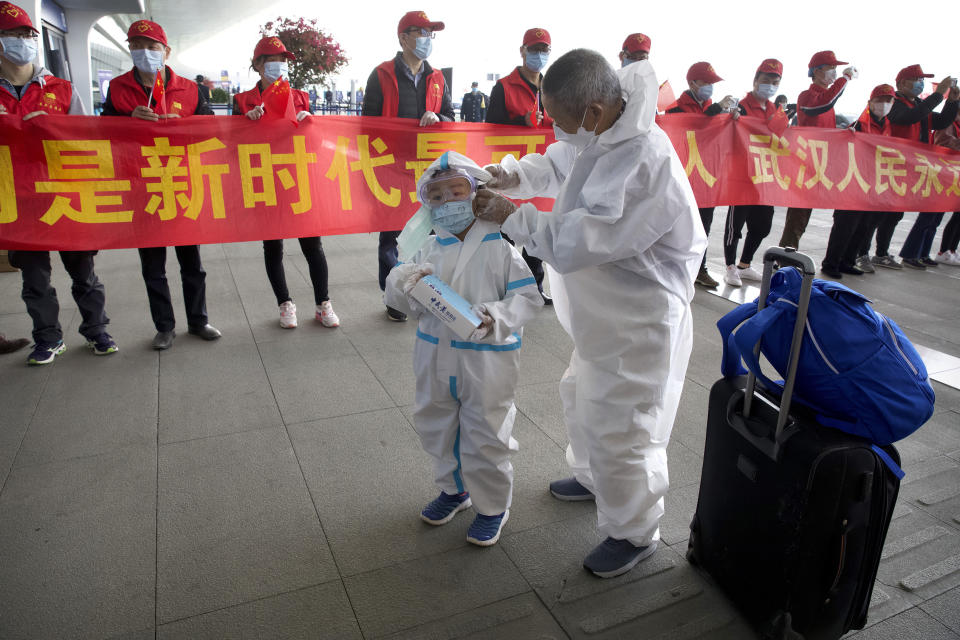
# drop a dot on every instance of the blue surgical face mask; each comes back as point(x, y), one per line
point(704, 92)
point(917, 87)
point(424, 48)
point(147, 60)
point(581, 139)
point(19, 51)
point(627, 61)
point(473, 90)
point(453, 216)
point(767, 91)
point(274, 70)
point(536, 60)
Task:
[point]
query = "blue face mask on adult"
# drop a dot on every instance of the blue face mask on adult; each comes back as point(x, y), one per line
point(536, 60)
point(453, 216)
point(424, 48)
point(704, 92)
point(274, 70)
point(627, 61)
point(19, 51)
point(917, 87)
point(147, 60)
point(767, 91)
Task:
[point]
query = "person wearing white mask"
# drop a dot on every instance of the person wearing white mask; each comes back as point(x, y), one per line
point(270, 58)
point(133, 94)
point(758, 218)
point(625, 241)
point(464, 409)
point(407, 87)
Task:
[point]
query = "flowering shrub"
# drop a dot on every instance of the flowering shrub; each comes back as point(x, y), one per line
point(318, 54)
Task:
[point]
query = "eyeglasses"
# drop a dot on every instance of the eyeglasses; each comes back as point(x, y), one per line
point(423, 33)
point(23, 35)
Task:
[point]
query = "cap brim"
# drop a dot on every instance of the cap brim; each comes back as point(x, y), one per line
point(927, 75)
point(288, 55)
point(143, 35)
point(437, 26)
point(713, 78)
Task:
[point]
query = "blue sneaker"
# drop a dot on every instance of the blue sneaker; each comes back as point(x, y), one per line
point(45, 352)
point(442, 509)
point(570, 490)
point(614, 557)
point(485, 530)
point(102, 345)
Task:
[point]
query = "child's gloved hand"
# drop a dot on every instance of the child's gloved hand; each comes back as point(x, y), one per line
point(410, 277)
point(486, 322)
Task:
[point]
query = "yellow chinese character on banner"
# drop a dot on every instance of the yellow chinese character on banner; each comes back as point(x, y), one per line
point(819, 152)
point(340, 168)
point(528, 143)
point(8, 195)
point(174, 180)
point(853, 171)
point(765, 162)
point(431, 146)
point(953, 166)
point(887, 160)
point(694, 161)
point(265, 171)
point(83, 167)
point(929, 176)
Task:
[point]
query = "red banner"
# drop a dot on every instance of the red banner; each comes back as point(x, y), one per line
point(73, 182)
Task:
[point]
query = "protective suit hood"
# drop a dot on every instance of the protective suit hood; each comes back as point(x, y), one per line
point(638, 83)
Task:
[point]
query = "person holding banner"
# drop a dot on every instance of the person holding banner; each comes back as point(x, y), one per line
point(28, 91)
point(270, 61)
point(151, 91)
point(757, 217)
point(407, 87)
point(625, 240)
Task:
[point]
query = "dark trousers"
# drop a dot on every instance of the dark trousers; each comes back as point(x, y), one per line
point(886, 225)
point(41, 298)
point(706, 218)
point(951, 234)
point(316, 261)
point(758, 218)
point(920, 239)
point(863, 234)
point(793, 226)
point(387, 255)
point(153, 264)
point(842, 245)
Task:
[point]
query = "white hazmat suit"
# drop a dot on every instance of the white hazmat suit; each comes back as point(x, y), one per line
point(464, 410)
point(624, 243)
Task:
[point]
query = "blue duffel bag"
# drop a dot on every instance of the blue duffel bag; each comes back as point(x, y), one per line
point(857, 370)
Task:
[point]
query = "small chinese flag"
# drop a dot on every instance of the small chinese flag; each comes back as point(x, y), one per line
point(665, 97)
point(778, 122)
point(159, 94)
point(278, 101)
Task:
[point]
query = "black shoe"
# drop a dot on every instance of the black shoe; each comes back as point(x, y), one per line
point(927, 261)
point(831, 272)
point(207, 332)
point(164, 340)
point(914, 263)
point(395, 315)
point(547, 300)
point(852, 270)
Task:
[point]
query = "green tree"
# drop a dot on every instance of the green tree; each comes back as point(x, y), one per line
point(219, 96)
point(318, 54)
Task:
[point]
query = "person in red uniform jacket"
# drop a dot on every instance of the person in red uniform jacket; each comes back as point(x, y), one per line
point(850, 235)
point(636, 47)
point(914, 119)
point(815, 109)
point(270, 61)
point(758, 218)
point(129, 95)
point(697, 99)
point(515, 99)
point(407, 87)
point(28, 91)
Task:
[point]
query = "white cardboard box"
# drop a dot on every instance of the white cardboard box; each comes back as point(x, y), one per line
point(447, 305)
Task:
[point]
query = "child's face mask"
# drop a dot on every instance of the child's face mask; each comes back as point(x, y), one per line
point(450, 199)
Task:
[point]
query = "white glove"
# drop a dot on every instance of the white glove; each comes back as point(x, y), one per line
point(851, 73)
point(303, 114)
point(256, 113)
point(728, 103)
point(429, 118)
point(486, 322)
point(410, 277)
point(502, 179)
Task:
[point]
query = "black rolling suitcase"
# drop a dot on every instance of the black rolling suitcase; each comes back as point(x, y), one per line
point(791, 517)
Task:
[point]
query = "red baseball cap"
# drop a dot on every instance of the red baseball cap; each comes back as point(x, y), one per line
point(417, 19)
point(272, 46)
point(147, 29)
point(822, 58)
point(913, 71)
point(771, 65)
point(702, 72)
point(536, 36)
point(636, 42)
point(882, 90)
point(13, 17)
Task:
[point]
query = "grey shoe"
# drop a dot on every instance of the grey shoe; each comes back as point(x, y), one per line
point(614, 557)
point(863, 263)
point(569, 490)
point(164, 340)
point(207, 332)
point(887, 262)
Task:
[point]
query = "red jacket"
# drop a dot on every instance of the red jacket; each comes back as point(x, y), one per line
point(815, 105)
point(751, 107)
point(387, 74)
point(126, 94)
point(519, 99)
point(688, 104)
point(243, 102)
point(869, 125)
point(53, 97)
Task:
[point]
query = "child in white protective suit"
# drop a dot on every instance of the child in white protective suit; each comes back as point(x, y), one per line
point(464, 411)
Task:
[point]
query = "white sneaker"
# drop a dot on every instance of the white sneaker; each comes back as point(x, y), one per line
point(288, 315)
point(750, 274)
point(732, 276)
point(326, 316)
point(955, 258)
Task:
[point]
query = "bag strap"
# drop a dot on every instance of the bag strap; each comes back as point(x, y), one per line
point(887, 460)
point(742, 341)
point(731, 364)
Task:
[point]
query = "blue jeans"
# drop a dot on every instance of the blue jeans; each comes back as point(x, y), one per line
point(920, 239)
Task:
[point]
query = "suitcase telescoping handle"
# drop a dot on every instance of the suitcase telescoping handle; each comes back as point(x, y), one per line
point(786, 257)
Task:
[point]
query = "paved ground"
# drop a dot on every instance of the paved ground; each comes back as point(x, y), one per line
point(268, 484)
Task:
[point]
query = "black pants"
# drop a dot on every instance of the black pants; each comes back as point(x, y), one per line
point(706, 218)
point(153, 263)
point(885, 227)
point(316, 261)
point(843, 244)
point(387, 255)
point(920, 239)
point(951, 234)
point(758, 218)
point(41, 298)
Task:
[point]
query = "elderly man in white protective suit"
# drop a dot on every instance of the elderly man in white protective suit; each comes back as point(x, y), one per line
point(623, 243)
